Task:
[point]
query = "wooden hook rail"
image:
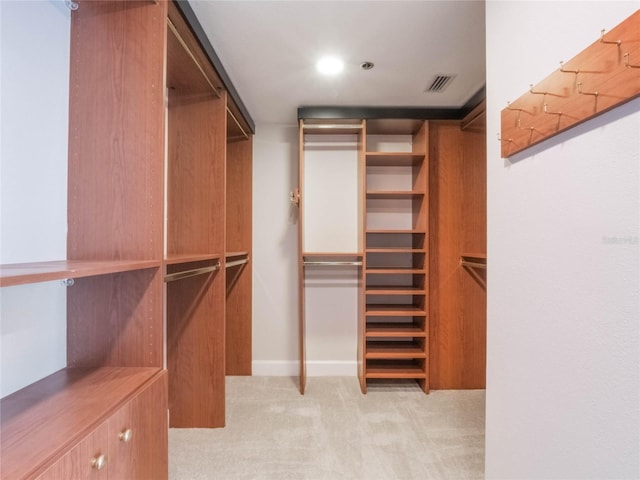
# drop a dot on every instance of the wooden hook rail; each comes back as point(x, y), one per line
point(601, 77)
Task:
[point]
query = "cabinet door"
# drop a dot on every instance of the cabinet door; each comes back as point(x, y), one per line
point(88, 460)
point(138, 435)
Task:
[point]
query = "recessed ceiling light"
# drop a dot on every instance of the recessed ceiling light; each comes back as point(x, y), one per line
point(330, 65)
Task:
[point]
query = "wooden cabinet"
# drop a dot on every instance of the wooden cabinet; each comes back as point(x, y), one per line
point(130, 444)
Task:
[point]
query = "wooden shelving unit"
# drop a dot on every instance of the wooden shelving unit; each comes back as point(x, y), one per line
point(142, 235)
point(393, 342)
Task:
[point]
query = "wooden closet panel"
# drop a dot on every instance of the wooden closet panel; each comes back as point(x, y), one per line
point(116, 119)
point(457, 312)
point(196, 175)
point(195, 350)
point(116, 320)
point(239, 239)
point(474, 240)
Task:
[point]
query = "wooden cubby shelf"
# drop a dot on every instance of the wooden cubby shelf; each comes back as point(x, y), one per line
point(34, 413)
point(394, 194)
point(395, 329)
point(394, 291)
point(394, 310)
point(395, 369)
point(35, 272)
point(394, 159)
point(395, 349)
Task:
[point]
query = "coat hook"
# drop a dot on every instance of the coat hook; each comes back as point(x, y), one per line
point(67, 282)
point(579, 84)
point(626, 62)
point(535, 93)
point(519, 110)
point(501, 140)
point(294, 197)
point(550, 113)
point(602, 40)
point(71, 5)
point(562, 69)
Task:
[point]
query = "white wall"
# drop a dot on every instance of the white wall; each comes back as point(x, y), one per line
point(275, 247)
point(563, 356)
point(33, 183)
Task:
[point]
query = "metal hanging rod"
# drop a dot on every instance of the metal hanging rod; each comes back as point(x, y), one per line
point(171, 277)
point(234, 263)
point(330, 264)
point(244, 134)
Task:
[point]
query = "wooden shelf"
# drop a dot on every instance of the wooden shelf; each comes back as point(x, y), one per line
point(394, 369)
point(332, 254)
point(331, 127)
point(394, 291)
point(48, 417)
point(395, 250)
point(395, 270)
point(394, 310)
point(392, 159)
point(394, 349)
point(175, 259)
point(236, 254)
point(396, 231)
point(394, 194)
point(24, 273)
point(390, 329)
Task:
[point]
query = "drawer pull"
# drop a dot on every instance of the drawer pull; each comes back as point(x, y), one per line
point(99, 462)
point(126, 435)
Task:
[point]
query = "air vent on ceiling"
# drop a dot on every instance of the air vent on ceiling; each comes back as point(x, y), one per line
point(440, 83)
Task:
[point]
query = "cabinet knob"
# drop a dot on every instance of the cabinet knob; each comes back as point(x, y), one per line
point(126, 435)
point(99, 462)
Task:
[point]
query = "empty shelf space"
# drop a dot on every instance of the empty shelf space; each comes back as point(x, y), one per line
point(394, 270)
point(395, 349)
point(55, 412)
point(395, 291)
point(395, 232)
point(24, 273)
point(393, 194)
point(394, 369)
point(391, 159)
point(394, 329)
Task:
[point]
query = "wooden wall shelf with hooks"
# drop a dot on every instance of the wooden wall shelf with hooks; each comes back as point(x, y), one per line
point(603, 76)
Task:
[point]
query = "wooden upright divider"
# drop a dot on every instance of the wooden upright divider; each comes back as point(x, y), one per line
point(238, 247)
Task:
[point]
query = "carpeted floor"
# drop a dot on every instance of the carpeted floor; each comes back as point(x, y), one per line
point(334, 432)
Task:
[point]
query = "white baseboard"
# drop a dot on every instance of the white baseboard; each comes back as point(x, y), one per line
point(275, 368)
point(315, 368)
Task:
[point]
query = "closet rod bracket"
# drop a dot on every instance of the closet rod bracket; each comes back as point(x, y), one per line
point(71, 5)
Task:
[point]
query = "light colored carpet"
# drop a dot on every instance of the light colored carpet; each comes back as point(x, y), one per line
point(334, 432)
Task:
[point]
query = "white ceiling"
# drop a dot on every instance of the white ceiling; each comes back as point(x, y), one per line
point(269, 49)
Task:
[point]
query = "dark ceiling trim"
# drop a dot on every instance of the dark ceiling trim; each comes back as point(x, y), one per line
point(411, 113)
point(198, 31)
